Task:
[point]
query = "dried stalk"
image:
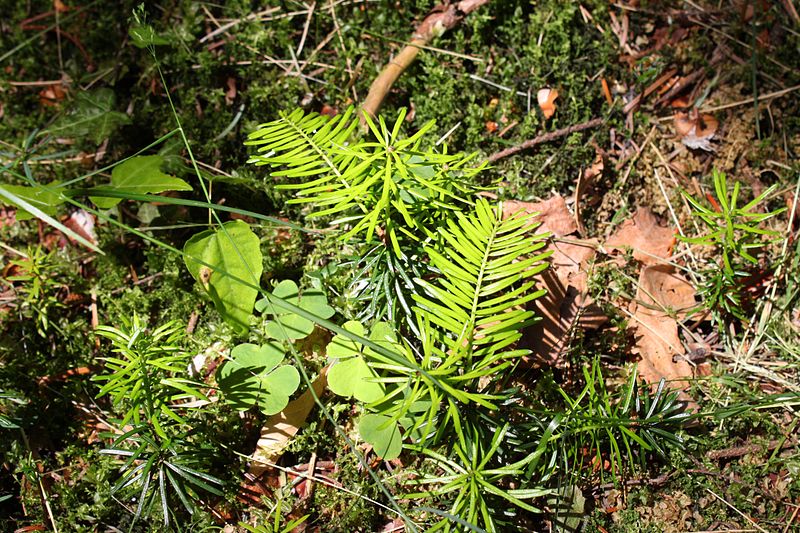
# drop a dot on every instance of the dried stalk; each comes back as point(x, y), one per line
point(443, 17)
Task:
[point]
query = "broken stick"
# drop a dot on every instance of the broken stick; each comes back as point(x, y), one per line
point(443, 17)
point(546, 137)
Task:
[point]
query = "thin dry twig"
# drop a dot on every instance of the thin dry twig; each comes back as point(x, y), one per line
point(544, 138)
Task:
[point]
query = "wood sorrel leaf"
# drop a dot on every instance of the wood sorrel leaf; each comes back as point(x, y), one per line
point(350, 375)
point(383, 434)
point(253, 377)
point(288, 325)
point(93, 116)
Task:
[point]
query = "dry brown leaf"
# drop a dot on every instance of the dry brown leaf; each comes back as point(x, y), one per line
point(83, 224)
point(566, 306)
point(281, 427)
point(546, 99)
point(563, 310)
point(662, 289)
point(230, 92)
point(52, 95)
point(553, 214)
point(695, 130)
point(657, 342)
point(650, 241)
point(585, 183)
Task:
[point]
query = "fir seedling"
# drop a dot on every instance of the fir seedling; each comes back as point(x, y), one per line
point(735, 234)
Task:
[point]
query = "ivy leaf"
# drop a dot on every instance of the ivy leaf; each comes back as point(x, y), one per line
point(254, 376)
point(143, 35)
point(233, 250)
point(349, 375)
point(287, 325)
point(140, 175)
point(93, 116)
point(383, 434)
point(40, 197)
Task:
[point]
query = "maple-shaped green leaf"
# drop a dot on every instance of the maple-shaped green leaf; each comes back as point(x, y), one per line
point(384, 435)
point(233, 250)
point(254, 376)
point(92, 116)
point(287, 325)
point(350, 375)
point(140, 175)
point(45, 200)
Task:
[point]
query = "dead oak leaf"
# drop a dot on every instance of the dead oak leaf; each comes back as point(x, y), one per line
point(564, 310)
point(552, 213)
point(650, 241)
point(661, 296)
point(695, 130)
point(566, 307)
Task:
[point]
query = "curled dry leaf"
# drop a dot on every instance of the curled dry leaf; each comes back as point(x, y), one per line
point(281, 427)
point(230, 91)
point(553, 214)
point(566, 306)
point(52, 95)
point(695, 130)
point(83, 224)
point(650, 241)
point(546, 99)
point(662, 294)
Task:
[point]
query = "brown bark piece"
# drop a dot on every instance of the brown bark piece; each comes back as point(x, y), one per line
point(650, 241)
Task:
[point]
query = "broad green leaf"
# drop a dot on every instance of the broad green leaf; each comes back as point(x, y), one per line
point(350, 374)
point(143, 35)
point(383, 434)
point(287, 325)
point(140, 175)
point(44, 199)
point(253, 377)
point(232, 250)
point(93, 116)
point(569, 506)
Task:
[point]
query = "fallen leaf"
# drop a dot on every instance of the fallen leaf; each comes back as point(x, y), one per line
point(83, 224)
point(606, 92)
point(662, 294)
point(566, 306)
point(546, 99)
point(52, 95)
point(695, 130)
point(552, 213)
point(281, 427)
point(329, 111)
point(230, 93)
point(563, 310)
point(650, 242)
point(585, 183)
